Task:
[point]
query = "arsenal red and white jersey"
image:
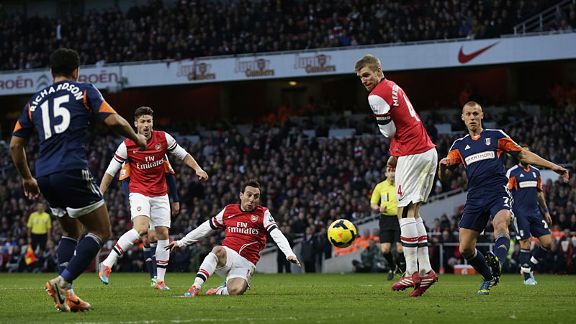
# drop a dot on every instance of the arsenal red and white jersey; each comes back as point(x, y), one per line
point(245, 231)
point(147, 166)
point(388, 101)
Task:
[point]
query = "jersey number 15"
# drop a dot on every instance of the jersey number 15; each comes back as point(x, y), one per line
point(57, 111)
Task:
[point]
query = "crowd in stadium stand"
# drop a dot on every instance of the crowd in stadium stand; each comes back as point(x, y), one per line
point(190, 29)
point(307, 183)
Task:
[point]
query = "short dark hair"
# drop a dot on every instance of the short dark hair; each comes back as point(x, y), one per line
point(368, 60)
point(140, 111)
point(252, 183)
point(64, 61)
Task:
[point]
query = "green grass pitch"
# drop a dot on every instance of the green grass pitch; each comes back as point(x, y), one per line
point(296, 298)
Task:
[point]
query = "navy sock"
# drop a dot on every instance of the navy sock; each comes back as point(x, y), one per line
point(502, 245)
point(478, 262)
point(65, 252)
point(85, 252)
point(149, 260)
point(525, 264)
point(538, 255)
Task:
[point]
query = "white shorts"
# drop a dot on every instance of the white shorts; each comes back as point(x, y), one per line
point(236, 267)
point(155, 208)
point(415, 177)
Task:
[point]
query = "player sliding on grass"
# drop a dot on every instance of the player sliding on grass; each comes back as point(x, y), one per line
point(481, 153)
point(246, 225)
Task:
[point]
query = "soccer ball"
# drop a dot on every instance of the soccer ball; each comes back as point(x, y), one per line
point(342, 233)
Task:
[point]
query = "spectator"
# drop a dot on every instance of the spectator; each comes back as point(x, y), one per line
point(189, 29)
point(372, 259)
point(309, 250)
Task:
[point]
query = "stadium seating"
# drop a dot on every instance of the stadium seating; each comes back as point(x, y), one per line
point(307, 181)
point(192, 29)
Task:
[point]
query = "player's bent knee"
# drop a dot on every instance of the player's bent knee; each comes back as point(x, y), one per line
point(547, 242)
point(142, 230)
point(220, 251)
point(162, 233)
point(525, 244)
point(235, 291)
point(466, 251)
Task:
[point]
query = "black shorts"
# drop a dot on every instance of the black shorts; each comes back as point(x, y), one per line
point(389, 229)
point(74, 191)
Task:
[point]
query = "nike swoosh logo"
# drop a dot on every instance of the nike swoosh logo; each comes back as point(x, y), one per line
point(465, 58)
point(76, 302)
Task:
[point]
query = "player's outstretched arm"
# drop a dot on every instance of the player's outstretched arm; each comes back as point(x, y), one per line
point(191, 162)
point(528, 157)
point(31, 189)
point(444, 172)
point(284, 246)
point(105, 183)
point(179, 152)
point(122, 127)
point(199, 232)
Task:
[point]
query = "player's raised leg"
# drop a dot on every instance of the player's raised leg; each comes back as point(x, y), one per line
point(476, 259)
point(529, 261)
point(149, 250)
point(501, 222)
point(97, 225)
point(71, 232)
point(215, 258)
point(141, 224)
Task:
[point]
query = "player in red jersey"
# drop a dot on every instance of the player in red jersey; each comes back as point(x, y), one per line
point(149, 203)
point(416, 160)
point(246, 225)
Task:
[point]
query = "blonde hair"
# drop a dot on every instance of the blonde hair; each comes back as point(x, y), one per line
point(471, 104)
point(368, 60)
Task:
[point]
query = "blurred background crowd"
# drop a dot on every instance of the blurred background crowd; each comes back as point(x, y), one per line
point(191, 29)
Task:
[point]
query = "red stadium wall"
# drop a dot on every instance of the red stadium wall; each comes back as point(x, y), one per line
point(171, 103)
point(433, 88)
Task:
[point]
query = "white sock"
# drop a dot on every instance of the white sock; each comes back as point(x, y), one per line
point(423, 256)
point(162, 258)
point(409, 239)
point(124, 243)
point(206, 269)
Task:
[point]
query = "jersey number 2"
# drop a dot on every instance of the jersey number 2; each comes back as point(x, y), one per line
point(59, 111)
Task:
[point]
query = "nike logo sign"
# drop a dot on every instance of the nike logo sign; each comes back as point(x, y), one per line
point(76, 302)
point(465, 58)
